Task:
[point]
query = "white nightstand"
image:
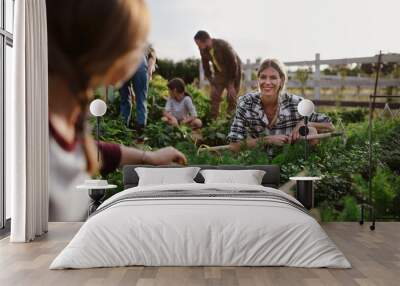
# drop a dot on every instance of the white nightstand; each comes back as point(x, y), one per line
point(304, 190)
point(96, 193)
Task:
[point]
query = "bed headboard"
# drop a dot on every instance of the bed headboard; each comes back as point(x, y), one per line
point(270, 179)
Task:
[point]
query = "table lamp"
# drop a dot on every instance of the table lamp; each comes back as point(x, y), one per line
point(305, 108)
point(305, 193)
point(98, 108)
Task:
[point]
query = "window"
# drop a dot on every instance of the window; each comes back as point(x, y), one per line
point(6, 63)
point(9, 16)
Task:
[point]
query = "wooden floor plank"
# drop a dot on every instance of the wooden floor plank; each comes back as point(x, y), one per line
point(375, 257)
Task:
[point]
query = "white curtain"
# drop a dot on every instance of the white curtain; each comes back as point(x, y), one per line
point(27, 124)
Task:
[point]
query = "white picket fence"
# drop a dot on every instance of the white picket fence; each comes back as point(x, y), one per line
point(316, 80)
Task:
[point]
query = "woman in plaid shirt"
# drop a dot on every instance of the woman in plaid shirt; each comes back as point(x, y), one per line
point(270, 115)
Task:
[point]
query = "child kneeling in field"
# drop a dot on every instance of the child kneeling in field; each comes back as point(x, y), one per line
point(179, 108)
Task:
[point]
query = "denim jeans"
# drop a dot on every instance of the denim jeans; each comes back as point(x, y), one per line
point(140, 83)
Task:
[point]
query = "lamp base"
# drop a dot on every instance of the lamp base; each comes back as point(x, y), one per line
point(96, 195)
point(305, 193)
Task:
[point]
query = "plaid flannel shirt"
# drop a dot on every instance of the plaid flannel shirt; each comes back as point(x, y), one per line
point(250, 118)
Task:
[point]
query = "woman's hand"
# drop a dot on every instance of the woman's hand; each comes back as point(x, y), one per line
point(164, 156)
point(276, 139)
point(312, 131)
point(295, 135)
point(314, 128)
point(269, 140)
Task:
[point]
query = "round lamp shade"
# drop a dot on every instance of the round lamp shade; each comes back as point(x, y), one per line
point(305, 107)
point(98, 107)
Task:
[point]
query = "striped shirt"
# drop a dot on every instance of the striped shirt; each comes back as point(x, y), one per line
point(251, 120)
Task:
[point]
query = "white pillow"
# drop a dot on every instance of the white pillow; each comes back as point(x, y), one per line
point(248, 177)
point(166, 176)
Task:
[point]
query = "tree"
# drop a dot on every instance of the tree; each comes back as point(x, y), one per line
point(187, 69)
point(302, 76)
point(386, 68)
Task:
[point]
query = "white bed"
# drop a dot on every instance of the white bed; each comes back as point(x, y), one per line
point(257, 226)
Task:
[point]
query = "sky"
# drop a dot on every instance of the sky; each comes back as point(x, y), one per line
point(290, 30)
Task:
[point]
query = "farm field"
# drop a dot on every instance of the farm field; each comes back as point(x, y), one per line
point(342, 161)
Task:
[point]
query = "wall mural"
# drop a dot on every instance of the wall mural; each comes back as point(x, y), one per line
point(341, 162)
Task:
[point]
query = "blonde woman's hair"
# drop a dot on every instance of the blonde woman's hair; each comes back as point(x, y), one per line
point(85, 38)
point(279, 67)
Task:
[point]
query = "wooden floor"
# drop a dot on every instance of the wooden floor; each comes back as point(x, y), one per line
point(375, 257)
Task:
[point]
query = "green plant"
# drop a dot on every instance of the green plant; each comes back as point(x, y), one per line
point(202, 103)
point(385, 188)
point(114, 178)
point(390, 154)
point(327, 212)
point(216, 132)
point(351, 210)
point(160, 134)
point(348, 116)
point(156, 98)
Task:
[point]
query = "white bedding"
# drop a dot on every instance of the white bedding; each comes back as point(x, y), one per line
point(183, 231)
